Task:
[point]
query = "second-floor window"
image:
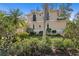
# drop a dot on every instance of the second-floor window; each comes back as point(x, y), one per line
point(33, 26)
point(34, 17)
point(39, 25)
point(47, 25)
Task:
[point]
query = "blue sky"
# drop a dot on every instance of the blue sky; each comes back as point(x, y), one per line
point(24, 7)
point(27, 7)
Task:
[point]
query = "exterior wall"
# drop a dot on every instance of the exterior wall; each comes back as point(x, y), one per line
point(54, 24)
point(59, 25)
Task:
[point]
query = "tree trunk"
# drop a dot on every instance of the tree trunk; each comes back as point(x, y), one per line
point(45, 18)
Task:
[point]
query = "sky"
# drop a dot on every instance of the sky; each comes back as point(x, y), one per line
point(27, 7)
point(24, 7)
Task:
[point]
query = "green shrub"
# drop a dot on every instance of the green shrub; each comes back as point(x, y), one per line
point(48, 30)
point(34, 46)
point(16, 48)
point(60, 43)
point(68, 43)
point(31, 47)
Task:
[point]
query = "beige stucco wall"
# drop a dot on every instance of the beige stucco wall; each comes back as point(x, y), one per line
point(54, 24)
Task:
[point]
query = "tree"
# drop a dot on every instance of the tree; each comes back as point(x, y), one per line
point(8, 26)
point(66, 10)
point(5, 33)
point(72, 31)
point(45, 19)
point(15, 13)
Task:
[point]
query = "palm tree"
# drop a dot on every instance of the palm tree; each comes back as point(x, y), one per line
point(15, 13)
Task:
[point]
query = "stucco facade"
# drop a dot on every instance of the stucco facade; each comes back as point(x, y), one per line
point(53, 22)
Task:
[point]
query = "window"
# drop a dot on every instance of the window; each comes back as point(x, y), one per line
point(34, 17)
point(53, 31)
point(47, 25)
point(39, 25)
point(40, 32)
point(33, 26)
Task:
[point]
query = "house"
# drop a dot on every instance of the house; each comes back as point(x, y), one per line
point(56, 23)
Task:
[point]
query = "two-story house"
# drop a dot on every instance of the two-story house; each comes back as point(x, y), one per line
point(55, 23)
